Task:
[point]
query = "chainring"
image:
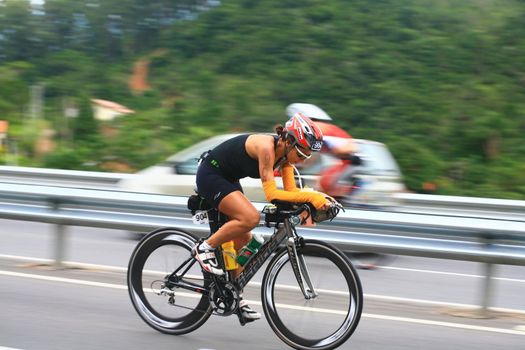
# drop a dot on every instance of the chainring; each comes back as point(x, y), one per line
point(224, 298)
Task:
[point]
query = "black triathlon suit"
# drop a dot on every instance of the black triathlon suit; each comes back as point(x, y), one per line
point(220, 171)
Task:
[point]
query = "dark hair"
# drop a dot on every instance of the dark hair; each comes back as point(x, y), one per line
point(279, 130)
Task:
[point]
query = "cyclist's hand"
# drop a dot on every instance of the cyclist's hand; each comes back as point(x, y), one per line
point(319, 201)
point(330, 210)
point(329, 203)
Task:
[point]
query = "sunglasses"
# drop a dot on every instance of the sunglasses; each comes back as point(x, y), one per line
point(301, 154)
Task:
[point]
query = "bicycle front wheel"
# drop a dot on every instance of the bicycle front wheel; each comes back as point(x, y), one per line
point(325, 321)
point(161, 304)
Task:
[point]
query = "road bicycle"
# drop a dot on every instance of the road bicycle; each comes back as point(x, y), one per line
point(311, 294)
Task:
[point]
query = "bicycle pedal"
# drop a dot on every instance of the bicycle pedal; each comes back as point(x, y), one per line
point(242, 320)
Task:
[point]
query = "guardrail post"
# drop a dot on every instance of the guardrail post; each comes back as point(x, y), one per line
point(60, 238)
point(487, 289)
point(486, 239)
point(60, 245)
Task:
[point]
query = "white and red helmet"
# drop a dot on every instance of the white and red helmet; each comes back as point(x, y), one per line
point(312, 111)
point(305, 133)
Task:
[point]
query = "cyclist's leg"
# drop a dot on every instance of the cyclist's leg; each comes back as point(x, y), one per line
point(224, 195)
point(227, 196)
point(243, 217)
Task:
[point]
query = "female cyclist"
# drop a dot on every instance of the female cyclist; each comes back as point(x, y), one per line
point(256, 156)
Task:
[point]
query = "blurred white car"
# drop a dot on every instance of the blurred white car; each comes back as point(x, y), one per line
point(378, 176)
point(176, 175)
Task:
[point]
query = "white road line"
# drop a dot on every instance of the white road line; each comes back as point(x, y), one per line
point(4, 348)
point(258, 284)
point(515, 331)
point(61, 279)
point(446, 324)
point(124, 269)
point(449, 273)
point(438, 303)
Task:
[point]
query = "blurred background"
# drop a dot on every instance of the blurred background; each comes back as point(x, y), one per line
point(432, 91)
point(120, 85)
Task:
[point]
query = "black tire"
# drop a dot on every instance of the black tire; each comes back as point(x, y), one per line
point(300, 323)
point(163, 251)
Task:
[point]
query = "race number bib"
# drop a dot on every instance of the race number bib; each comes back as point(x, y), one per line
point(200, 218)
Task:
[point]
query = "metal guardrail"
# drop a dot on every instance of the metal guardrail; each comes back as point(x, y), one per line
point(91, 178)
point(462, 203)
point(486, 241)
point(71, 178)
point(61, 174)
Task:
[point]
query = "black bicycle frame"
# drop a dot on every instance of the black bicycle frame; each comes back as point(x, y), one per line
point(282, 230)
point(255, 263)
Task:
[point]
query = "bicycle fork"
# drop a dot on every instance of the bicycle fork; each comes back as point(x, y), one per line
point(299, 265)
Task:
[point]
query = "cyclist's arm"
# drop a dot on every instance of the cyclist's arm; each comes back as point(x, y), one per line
point(340, 147)
point(266, 159)
point(287, 173)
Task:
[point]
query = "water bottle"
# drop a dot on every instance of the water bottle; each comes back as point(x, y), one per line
point(249, 250)
point(229, 255)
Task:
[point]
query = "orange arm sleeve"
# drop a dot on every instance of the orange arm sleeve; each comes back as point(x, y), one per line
point(288, 178)
point(270, 190)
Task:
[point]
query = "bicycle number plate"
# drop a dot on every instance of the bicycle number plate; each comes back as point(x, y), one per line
point(200, 218)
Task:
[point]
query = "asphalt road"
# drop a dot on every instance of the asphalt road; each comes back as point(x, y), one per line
point(411, 303)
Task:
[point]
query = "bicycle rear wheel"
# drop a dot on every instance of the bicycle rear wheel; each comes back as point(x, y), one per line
point(323, 322)
point(166, 308)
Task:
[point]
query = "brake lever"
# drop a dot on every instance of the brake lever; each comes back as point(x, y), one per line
point(339, 206)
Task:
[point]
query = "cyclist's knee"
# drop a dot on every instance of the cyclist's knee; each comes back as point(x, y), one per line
point(251, 219)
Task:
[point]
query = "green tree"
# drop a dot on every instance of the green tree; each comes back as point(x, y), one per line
point(85, 127)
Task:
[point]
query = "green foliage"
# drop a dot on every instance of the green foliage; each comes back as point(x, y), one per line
point(26, 134)
point(85, 127)
point(421, 163)
point(13, 90)
point(440, 82)
point(67, 158)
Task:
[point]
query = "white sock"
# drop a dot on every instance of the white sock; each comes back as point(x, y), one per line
point(206, 246)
